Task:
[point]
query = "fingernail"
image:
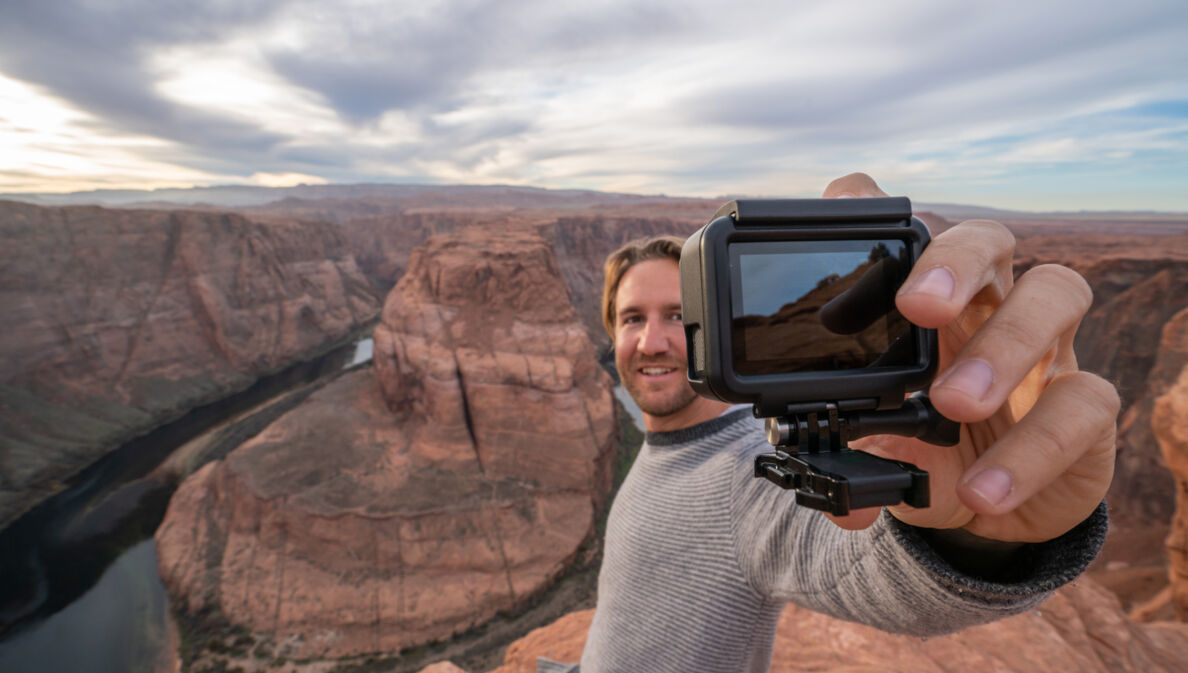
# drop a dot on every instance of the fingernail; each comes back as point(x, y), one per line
point(972, 377)
point(992, 484)
point(938, 282)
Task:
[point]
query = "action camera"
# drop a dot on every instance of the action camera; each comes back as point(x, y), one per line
point(789, 305)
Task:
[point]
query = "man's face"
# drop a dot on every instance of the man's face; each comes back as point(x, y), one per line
point(650, 339)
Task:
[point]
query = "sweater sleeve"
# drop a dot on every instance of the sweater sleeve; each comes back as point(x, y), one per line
point(887, 576)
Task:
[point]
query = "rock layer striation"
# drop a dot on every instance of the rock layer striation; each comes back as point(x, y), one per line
point(408, 502)
point(119, 320)
point(1139, 283)
point(1169, 420)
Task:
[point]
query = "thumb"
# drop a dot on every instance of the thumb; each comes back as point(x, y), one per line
point(854, 185)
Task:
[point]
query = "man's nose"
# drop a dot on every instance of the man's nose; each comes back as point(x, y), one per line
point(653, 340)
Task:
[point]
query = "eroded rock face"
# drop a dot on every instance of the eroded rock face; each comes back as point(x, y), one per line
point(580, 244)
point(1169, 421)
point(1139, 284)
point(1080, 628)
point(117, 320)
point(406, 503)
point(480, 340)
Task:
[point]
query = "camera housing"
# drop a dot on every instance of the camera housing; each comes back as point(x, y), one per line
point(789, 305)
point(730, 265)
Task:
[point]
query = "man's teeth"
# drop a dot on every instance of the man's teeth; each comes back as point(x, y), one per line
point(655, 371)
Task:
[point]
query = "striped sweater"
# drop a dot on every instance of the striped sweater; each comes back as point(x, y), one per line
point(700, 558)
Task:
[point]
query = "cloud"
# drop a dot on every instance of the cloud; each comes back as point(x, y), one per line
point(695, 97)
point(93, 57)
point(285, 179)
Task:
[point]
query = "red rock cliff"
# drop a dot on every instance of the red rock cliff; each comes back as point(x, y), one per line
point(1080, 628)
point(1170, 423)
point(406, 503)
point(1139, 283)
point(580, 243)
point(117, 320)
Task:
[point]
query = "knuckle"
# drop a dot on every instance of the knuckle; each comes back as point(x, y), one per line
point(984, 240)
point(1104, 394)
point(1045, 441)
point(1072, 286)
point(996, 232)
point(854, 184)
point(1017, 329)
point(1093, 393)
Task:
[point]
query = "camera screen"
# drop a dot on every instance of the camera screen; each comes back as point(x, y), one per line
point(818, 306)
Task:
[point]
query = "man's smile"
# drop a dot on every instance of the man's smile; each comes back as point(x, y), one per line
point(654, 370)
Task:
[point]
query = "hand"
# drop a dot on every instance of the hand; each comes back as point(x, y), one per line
point(1037, 447)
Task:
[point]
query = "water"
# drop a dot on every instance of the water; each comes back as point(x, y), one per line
point(78, 573)
point(363, 352)
point(630, 405)
point(79, 589)
point(118, 626)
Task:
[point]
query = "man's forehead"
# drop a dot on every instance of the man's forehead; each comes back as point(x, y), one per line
point(652, 283)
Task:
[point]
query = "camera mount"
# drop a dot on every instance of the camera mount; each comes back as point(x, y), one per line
point(813, 457)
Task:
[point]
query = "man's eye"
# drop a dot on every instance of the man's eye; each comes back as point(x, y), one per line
point(674, 316)
point(631, 319)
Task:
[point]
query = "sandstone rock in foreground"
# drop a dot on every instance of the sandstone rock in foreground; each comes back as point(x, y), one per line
point(406, 503)
point(1080, 628)
point(1169, 420)
point(119, 320)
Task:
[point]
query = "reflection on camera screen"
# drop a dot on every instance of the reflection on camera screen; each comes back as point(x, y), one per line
point(818, 305)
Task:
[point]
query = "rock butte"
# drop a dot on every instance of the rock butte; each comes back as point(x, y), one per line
point(406, 503)
point(580, 242)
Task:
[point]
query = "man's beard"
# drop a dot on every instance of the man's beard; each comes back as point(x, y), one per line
point(650, 402)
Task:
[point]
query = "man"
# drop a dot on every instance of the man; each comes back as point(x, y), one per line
point(700, 557)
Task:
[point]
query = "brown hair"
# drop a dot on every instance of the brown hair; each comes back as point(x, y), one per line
point(632, 253)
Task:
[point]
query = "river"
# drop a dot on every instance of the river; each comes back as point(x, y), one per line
point(79, 588)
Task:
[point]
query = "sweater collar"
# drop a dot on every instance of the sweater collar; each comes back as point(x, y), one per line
point(699, 431)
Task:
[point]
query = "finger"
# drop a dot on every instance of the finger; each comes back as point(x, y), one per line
point(854, 185)
point(1043, 310)
point(971, 259)
point(1065, 426)
point(859, 519)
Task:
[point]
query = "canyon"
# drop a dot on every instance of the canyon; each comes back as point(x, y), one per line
point(462, 473)
point(1139, 276)
point(121, 320)
point(406, 503)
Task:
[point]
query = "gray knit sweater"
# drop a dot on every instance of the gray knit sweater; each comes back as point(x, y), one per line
point(700, 558)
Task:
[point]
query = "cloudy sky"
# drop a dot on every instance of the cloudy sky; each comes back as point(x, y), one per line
point(1044, 105)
